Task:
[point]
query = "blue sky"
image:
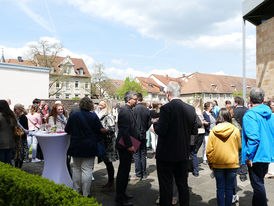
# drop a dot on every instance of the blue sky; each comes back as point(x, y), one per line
point(134, 37)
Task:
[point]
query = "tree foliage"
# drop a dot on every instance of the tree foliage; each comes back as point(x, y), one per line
point(130, 85)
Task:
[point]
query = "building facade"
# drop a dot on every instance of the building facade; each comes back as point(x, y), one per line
point(261, 14)
point(22, 83)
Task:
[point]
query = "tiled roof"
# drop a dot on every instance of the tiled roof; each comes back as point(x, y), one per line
point(78, 63)
point(117, 83)
point(211, 83)
point(149, 85)
point(24, 62)
point(166, 79)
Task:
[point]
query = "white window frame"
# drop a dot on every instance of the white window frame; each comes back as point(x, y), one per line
point(67, 96)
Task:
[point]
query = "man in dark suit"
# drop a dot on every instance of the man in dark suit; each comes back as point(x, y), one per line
point(127, 128)
point(176, 123)
point(142, 115)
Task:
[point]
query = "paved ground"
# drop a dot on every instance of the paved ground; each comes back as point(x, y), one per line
point(203, 188)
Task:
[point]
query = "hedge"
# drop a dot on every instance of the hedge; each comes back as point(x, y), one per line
point(20, 188)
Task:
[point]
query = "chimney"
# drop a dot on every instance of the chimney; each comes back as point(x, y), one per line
point(166, 76)
point(19, 59)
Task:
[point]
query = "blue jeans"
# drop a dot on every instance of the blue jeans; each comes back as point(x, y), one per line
point(256, 175)
point(32, 141)
point(6, 155)
point(224, 183)
point(140, 159)
point(194, 150)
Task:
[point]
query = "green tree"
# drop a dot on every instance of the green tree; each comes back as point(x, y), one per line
point(130, 85)
point(238, 93)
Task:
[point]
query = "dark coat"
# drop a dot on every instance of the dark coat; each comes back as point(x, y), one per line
point(239, 114)
point(126, 126)
point(84, 128)
point(143, 123)
point(23, 120)
point(177, 122)
point(7, 140)
point(207, 118)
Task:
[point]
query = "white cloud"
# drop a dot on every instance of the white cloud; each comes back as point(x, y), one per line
point(119, 62)
point(221, 72)
point(13, 53)
point(118, 73)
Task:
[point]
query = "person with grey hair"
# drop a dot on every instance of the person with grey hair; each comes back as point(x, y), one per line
point(176, 123)
point(85, 129)
point(257, 144)
point(127, 129)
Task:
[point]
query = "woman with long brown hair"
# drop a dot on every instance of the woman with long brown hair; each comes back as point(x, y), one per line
point(7, 123)
point(57, 117)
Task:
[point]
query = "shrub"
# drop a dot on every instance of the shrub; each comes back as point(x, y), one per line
point(20, 188)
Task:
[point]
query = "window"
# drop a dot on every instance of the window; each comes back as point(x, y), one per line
point(210, 96)
point(217, 96)
point(86, 95)
point(76, 84)
point(224, 96)
point(203, 95)
point(231, 96)
point(67, 96)
point(67, 85)
point(77, 95)
point(86, 85)
point(57, 96)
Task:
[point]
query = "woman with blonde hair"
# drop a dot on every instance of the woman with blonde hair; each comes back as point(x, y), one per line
point(21, 151)
point(108, 140)
point(197, 140)
point(34, 122)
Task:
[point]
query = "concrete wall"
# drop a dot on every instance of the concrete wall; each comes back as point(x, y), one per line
point(22, 84)
point(265, 57)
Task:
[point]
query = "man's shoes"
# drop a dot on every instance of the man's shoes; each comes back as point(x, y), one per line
point(128, 196)
point(205, 162)
point(135, 178)
point(195, 174)
point(243, 177)
point(35, 160)
point(235, 199)
point(144, 177)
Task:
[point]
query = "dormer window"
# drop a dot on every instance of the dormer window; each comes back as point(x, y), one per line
point(80, 71)
point(151, 85)
point(162, 89)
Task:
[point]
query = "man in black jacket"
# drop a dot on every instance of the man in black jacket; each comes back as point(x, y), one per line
point(142, 115)
point(127, 128)
point(176, 123)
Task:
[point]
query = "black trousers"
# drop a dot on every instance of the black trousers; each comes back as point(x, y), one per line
point(123, 172)
point(110, 170)
point(166, 171)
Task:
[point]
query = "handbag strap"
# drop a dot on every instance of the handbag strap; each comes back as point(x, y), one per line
point(33, 123)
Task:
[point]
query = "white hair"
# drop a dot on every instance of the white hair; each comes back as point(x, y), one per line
point(174, 88)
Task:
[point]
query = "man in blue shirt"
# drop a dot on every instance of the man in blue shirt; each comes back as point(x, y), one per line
point(257, 144)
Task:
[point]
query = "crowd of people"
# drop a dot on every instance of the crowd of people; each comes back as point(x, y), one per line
point(236, 140)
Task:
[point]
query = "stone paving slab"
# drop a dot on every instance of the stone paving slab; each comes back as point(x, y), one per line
point(202, 188)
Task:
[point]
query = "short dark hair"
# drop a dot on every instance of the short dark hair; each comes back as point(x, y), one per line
point(206, 105)
point(36, 101)
point(129, 95)
point(227, 102)
point(139, 97)
point(224, 116)
point(239, 100)
point(215, 102)
point(257, 95)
